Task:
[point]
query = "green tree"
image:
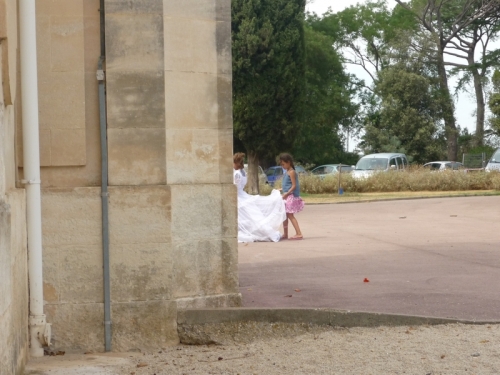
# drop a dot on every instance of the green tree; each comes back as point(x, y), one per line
point(444, 21)
point(327, 102)
point(494, 105)
point(408, 118)
point(268, 76)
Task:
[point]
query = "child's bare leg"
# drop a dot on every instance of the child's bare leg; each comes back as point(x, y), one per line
point(298, 233)
point(285, 228)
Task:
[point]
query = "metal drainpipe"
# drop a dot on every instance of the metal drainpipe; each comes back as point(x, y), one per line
point(104, 185)
point(39, 328)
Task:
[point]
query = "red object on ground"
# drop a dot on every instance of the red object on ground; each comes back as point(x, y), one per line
point(366, 280)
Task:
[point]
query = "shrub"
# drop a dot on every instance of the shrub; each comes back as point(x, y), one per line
point(415, 179)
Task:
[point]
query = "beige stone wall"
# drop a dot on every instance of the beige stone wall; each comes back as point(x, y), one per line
point(67, 51)
point(172, 202)
point(13, 252)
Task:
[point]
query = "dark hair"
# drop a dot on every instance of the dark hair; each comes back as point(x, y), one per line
point(239, 159)
point(287, 158)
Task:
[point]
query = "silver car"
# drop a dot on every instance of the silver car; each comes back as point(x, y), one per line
point(370, 164)
point(444, 165)
point(494, 162)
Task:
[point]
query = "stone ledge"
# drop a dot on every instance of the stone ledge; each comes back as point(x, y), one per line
point(225, 325)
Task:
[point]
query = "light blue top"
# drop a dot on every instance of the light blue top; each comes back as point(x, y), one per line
point(287, 184)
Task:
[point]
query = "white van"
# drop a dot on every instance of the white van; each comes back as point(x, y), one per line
point(369, 164)
point(494, 162)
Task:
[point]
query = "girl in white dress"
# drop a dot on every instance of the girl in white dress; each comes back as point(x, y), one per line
point(259, 217)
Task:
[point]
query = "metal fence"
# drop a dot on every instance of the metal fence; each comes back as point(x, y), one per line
point(475, 160)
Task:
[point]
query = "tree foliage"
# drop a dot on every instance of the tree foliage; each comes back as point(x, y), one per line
point(327, 104)
point(408, 119)
point(268, 76)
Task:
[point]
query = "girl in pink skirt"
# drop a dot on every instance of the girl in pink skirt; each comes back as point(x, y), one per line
point(291, 195)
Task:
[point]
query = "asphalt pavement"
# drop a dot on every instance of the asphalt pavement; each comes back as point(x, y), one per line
point(436, 257)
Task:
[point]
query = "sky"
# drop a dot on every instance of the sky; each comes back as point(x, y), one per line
point(464, 106)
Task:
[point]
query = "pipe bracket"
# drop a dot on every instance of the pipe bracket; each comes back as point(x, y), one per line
point(30, 182)
point(100, 75)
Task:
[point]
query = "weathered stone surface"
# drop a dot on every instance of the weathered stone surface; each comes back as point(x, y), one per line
point(61, 83)
point(136, 99)
point(225, 102)
point(71, 217)
point(13, 282)
point(136, 156)
point(200, 38)
point(140, 214)
point(148, 325)
point(134, 7)
point(226, 156)
point(193, 156)
point(141, 272)
point(134, 42)
point(67, 147)
point(77, 327)
point(205, 268)
point(196, 212)
point(191, 101)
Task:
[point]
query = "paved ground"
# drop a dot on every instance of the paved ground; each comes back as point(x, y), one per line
point(434, 257)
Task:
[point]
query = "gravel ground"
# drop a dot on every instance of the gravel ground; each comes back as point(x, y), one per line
point(446, 349)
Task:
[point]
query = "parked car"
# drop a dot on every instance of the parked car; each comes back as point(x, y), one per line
point(275, 173)
point(444, 165)
point(370, 164)
point(494, 162)
point(328, 169)
point(262, 175)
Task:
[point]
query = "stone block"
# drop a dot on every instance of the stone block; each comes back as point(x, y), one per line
point(134, 7)
point(51, 275)
point(80, 274)
point(205, 268)
point(43, 44)
point(147, 325)
point(229, 211)
point(193, 156)
point(5, 257)
point(196, 212)
point(92, 40)
point(67, 42)
point(225, 101)
point(136, 99)
point(223, 10)
point(212, 10)
point(140, 215)
point(229, 264)
point(60, 7)
point(224, 48)
point(62, 100)
point(190, 45)
point(141, 271)
point(67, 147)
point(45, 159)
point(77, 327)
point(137, 156)
point(71, 217)
point(192, 9)
point(134, 43)
point(226, 156)
point(191, 101)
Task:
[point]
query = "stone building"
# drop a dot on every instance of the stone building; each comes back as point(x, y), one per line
point(172, 204)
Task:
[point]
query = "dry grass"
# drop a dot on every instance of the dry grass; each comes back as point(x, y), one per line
point(414, 180)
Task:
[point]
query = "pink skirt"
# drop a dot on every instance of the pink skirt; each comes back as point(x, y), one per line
point(293, 204)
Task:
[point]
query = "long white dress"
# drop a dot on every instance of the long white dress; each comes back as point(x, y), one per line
point(259, 217)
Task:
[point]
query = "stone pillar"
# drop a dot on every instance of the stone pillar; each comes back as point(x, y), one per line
point(171, 198)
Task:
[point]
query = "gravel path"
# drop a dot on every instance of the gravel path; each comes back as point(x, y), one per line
point(447, 349)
